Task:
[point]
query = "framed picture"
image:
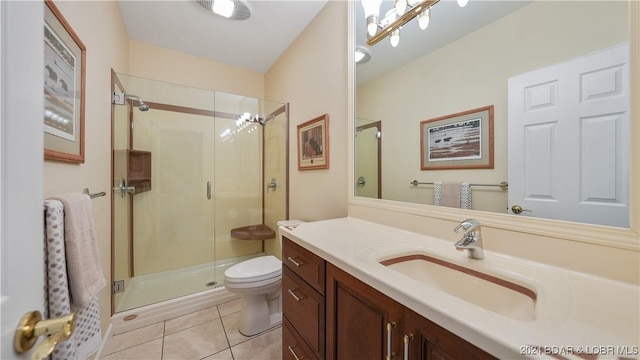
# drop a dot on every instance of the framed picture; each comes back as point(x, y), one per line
point(313, 144)
point(64, 87)
point(458, 141)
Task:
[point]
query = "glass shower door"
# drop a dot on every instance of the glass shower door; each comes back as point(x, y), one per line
point(164, 229)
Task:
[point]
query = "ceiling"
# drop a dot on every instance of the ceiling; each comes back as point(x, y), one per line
point(448, 23)
point(256, 43)
point(253, 44)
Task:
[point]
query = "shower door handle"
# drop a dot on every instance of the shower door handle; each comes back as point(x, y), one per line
point(209, 190)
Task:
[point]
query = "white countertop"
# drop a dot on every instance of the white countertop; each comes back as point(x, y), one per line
point(575, 313)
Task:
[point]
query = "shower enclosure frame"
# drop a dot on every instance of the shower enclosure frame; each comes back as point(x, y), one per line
point(117, 86)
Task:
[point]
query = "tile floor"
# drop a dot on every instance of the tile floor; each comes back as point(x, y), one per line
point(209, 334)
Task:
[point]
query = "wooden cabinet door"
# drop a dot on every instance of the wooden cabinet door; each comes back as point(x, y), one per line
point(357, 319)
point(432, 342)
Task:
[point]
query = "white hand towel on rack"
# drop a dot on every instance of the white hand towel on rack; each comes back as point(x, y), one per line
point(451, 194)
point(86, 278)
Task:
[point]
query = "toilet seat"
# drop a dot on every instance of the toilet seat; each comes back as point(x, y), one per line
point(254, 270)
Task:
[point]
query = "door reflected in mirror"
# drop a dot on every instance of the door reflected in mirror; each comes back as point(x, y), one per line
point(538, 127)
point(368, 151)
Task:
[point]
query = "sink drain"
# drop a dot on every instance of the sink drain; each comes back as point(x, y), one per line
point(211, 283)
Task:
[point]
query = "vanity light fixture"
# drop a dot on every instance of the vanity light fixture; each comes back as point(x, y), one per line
point(404, 11)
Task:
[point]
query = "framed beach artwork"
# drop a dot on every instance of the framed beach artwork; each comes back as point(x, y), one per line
point(458, 141)
point(64, 88)
point(313, 144)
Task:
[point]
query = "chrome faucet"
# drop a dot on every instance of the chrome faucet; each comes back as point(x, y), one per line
point(472, 238)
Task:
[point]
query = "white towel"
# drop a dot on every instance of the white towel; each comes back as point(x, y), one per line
point(86, 278)
point(87, 335)
point(450, 194)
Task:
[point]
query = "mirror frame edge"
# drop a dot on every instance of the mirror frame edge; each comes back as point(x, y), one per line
point(623, 238)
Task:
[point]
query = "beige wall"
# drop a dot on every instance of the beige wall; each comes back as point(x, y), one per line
point(312, 76)
point(497, 54)
point(100, 26)
point(153, 62)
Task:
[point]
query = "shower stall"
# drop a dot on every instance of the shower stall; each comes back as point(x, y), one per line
point(190, 167)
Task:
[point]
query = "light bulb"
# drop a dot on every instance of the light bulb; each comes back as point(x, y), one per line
point(424, 18)
point(395, 37)
point(371, 11)
point(400, 6)
point(223, 7)
point(462, 3)
point(371, 7)
point(372, 26)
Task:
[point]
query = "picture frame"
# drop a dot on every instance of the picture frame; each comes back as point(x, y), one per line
point(64, 89)
point(462, 140)
point(313, 144)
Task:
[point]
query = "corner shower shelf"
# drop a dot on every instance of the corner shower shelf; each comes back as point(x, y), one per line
point(253, 232)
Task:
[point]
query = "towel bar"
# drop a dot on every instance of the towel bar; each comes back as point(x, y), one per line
point(503, 185)
point(93, 196)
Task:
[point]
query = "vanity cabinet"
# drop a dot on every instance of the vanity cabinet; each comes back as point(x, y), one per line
point(424, 340)
point(303, 302)
point(361, 322)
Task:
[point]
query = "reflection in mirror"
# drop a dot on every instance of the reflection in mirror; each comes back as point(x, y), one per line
point(368, 150)
point(557, 106)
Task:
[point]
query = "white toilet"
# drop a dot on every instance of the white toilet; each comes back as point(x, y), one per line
point(259, 281)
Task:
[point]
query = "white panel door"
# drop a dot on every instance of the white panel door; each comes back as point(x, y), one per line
point(21, 166)
point(569, 140)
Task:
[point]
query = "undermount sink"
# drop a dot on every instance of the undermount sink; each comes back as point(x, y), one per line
point(487, 291)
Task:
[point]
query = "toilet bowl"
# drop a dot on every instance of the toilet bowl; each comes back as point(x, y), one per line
point(259, 282)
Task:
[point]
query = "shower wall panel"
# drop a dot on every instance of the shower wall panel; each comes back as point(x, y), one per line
point(275, 166)
point(238, 184)
point(174, 222)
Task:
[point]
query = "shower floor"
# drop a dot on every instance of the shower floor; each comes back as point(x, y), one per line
point(153, 288)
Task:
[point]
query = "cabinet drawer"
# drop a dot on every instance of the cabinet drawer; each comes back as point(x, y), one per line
point(306, 264)
point(293, 347)
point(304, 308)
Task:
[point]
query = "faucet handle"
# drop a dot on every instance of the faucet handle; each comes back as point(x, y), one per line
point(466, 226)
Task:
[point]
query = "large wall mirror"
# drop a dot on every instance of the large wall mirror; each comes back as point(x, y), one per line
point(557, 76)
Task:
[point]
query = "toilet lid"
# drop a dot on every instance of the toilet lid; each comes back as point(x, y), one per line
point(256, 269)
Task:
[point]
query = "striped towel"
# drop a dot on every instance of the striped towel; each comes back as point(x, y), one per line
point(87, 336)
point(451, 194)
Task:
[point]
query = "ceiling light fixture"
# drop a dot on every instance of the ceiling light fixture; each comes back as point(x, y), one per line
point(405, 10)
point(230, 9)
point(223, 7)
point(362, 55)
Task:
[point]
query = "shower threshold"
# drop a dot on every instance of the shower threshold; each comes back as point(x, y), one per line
point(154, 288)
